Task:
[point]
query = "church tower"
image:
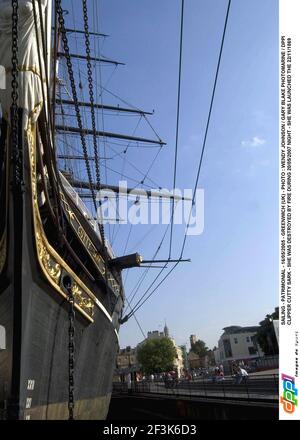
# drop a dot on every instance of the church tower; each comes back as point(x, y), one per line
point(166, 331)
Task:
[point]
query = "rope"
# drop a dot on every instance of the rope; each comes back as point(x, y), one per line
point(74, 93)
point(177, 124)
point(139, 303)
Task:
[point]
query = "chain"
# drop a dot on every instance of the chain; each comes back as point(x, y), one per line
point(91, 92)
point(74, 93)
point(61, 22)
point(16, 153)
point(71, 402)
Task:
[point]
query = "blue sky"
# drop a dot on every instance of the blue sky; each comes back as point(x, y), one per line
point(232, 279)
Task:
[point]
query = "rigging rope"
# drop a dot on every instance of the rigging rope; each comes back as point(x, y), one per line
point(97, 50)
point(143, 276)
point(91, 89)
point(207, 123)
point(61, 21)
point(49, 129)
point(177, 123)
point(139, 303)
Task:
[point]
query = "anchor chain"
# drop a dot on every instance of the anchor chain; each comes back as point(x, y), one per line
point(71, 401)
point(16, 152)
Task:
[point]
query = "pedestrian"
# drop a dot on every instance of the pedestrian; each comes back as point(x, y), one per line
point(129, 387)
point(234, 369)
point(241, 376)
point(220, 376)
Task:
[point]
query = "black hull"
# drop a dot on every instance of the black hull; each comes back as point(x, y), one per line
point(34, 367)
point(44, 359)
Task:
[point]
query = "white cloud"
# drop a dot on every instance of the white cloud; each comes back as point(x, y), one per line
point(253, 142)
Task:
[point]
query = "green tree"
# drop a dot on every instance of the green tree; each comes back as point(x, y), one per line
point(156, 355)
point(199, 348)
point(266, 336)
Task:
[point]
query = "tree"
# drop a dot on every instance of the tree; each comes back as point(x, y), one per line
point(266, 336)
point(199, 348)
point(156, 355)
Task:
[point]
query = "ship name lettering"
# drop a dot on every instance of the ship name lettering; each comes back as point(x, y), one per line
point(83, 236)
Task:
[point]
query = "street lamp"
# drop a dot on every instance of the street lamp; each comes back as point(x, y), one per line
point(270, 343)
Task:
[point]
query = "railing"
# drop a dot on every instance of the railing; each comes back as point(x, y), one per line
point(255, 388)
point(79, 203)
point(267, 362)
point(85, 212)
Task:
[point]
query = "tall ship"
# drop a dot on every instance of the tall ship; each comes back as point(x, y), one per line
point(61, 288)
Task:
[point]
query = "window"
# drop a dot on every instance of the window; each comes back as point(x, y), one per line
point(227, 348)
point(254, 342)
point(235, 340)
point(252, 350)
point(248, 339)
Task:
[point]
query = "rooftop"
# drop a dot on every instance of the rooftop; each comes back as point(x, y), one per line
point(234, 329)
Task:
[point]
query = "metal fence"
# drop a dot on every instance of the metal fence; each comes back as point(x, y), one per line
point(267, 363)
point(262, 387)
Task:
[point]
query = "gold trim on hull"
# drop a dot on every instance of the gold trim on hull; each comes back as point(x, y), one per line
point(52, 265)
point(89, 246)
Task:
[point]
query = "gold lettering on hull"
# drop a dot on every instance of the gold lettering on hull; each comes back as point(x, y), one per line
point(92, 250)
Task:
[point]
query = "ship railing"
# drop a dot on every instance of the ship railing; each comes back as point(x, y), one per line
point(109, 249)
point(259, 388)
point(85, 211)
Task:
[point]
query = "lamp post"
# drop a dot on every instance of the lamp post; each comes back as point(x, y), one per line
point(269, 338)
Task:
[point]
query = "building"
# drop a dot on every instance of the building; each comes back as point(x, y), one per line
point(178, 363)
point(185, 359)
point(217, 355)
point(155, 334)
point(210, 358)
point(196, 361)
point(237, 344)
point(126, 357)
point(126, 362)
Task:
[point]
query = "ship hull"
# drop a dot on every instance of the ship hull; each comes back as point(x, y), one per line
point(34, 366)
point(42, 366)
point(44, 360)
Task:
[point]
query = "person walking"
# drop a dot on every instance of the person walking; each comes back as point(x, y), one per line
point(241, 376)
